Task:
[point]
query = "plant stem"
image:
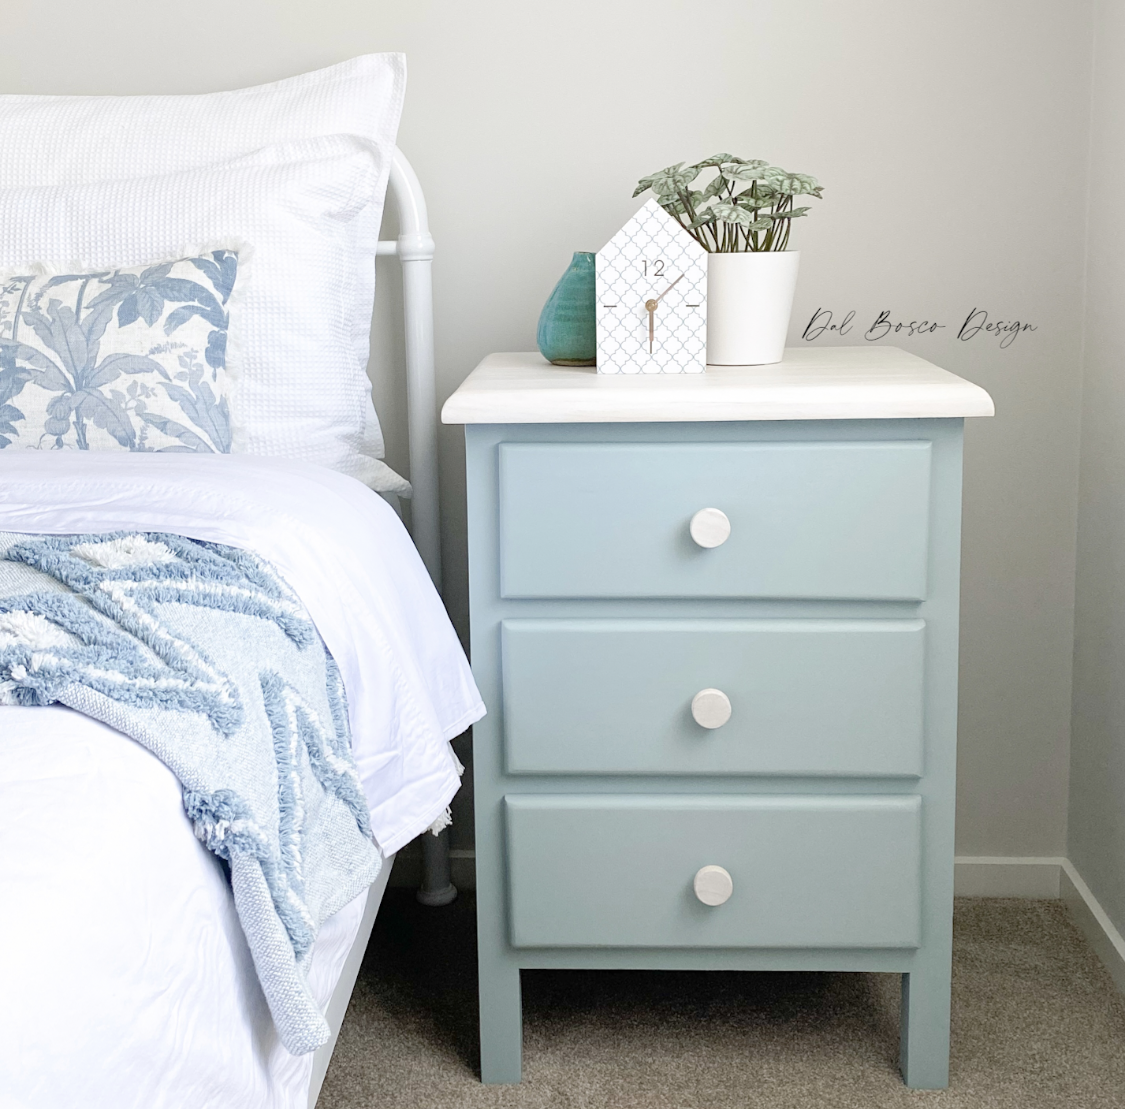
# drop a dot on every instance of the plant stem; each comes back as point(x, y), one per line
point(752, 236)
point(783, 234)
point(685, 200)
point(693, 233)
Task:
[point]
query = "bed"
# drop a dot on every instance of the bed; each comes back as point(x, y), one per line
point(128, 978)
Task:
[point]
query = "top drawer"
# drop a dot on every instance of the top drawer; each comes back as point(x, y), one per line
point(842, 521)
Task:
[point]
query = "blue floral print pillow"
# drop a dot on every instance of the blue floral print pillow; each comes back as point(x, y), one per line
point(127, 359)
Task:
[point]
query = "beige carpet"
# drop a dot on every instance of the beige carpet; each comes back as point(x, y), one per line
point(1036, 1022)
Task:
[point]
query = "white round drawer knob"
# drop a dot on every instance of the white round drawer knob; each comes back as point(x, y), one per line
point(710, 708)
point(713, 885)
point(710, 527)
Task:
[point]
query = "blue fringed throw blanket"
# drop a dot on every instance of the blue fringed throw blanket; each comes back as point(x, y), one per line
point(203, 655)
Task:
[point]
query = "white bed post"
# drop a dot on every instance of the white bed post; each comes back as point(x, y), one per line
point(415, 250)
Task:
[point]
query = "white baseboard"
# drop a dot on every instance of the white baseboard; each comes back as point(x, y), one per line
point(1005, 876)
point(1093, 923)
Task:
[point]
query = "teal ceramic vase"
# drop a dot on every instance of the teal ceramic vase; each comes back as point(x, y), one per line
point(567, 333)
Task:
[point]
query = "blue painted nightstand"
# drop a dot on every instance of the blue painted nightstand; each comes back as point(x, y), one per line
point(714, 620)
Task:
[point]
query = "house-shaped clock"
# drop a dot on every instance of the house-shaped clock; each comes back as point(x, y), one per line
point(652, 298)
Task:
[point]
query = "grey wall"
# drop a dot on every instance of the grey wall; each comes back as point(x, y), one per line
point(1097, 780)
point(951, 136)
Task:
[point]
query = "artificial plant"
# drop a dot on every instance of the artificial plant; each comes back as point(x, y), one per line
point(747, 205)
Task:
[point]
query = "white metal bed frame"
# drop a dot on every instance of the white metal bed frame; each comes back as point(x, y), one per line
point(414, 249)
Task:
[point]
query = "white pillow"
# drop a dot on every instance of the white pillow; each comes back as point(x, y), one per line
point(54, 140)
point(298, 388)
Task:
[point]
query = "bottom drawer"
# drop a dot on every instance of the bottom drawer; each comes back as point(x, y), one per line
point(618, 871)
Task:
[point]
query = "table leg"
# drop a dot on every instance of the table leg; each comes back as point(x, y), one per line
point(924, 1053)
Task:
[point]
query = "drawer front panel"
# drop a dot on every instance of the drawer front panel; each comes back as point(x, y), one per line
point(806, 696)
point(807, 520)
point(617, 871)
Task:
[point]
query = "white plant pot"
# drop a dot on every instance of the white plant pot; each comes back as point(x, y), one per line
point(749, 300)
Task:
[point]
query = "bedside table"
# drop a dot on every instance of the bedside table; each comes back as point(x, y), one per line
point(714, 619)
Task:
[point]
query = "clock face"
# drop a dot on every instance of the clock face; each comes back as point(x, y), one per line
point(652, 298)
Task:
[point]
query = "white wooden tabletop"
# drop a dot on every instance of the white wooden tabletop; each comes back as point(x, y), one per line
point(828, 383)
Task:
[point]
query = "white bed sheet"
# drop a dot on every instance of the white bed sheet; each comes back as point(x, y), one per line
point(126, 980)
point(345, 553)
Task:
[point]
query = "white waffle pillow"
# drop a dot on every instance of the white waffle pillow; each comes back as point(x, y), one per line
point(69, 140)
point(298, 388)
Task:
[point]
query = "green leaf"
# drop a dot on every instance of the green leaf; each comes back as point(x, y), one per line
point(745, 171)
point(718, 160)
point(769, 186)
point(757, 196)
point(792, 184)
point(672, 180)
point(717, 185)
point(736, 213)
point(792, 213)
point(733, 213)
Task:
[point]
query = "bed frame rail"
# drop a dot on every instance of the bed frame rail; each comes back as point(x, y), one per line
point(414, 248)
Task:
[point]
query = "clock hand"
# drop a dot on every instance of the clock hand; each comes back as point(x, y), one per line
point(669, 289)
point(650, 307)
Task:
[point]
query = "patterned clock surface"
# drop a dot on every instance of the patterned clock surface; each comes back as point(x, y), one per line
point(652, 298)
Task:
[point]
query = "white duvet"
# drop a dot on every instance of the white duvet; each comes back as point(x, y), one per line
point(124, 978)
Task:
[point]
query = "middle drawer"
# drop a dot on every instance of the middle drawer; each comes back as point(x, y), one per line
point(806, 697)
